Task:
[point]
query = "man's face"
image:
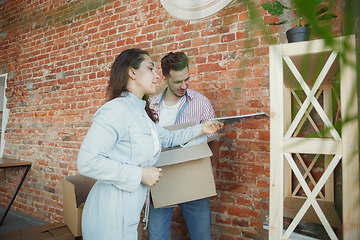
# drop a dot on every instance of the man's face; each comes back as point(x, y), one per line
point(178, 82)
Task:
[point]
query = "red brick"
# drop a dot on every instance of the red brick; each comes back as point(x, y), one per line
point(256, 146)
point(263, 184)
point(187, 28)
point(198, 42)
point(261, 194)
point(212, 39)
point(242, 212)
point(240, 222)
point(152, 28)
point(173, 47)
point(261, 206)
point(222, 220)
point(215, 57)
point(226, 229)
point(228, 37)
point(209, 67)
point(230, 19)
point(249, 180)
point(241, 201)
point(230, 176)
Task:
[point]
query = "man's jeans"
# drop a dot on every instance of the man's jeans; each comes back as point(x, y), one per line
point(197, 216)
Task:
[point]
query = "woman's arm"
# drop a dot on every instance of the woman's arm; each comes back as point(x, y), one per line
point(94, 158)
point(181, 136)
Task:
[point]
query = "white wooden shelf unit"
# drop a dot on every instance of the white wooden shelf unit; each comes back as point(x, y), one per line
point(313, 69)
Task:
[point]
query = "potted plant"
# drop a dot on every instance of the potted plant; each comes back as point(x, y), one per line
point(300, 30)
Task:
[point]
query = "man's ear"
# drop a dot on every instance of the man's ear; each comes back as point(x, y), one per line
point(131, 72)
point(163, 78)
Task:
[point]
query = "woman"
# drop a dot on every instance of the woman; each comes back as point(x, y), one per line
point(120, 148)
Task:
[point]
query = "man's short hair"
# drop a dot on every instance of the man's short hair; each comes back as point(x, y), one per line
point(174, 61)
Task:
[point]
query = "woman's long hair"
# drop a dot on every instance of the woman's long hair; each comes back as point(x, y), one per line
point(119, 76)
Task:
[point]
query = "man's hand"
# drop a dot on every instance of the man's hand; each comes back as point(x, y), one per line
point(210, 127)
point(150, 176)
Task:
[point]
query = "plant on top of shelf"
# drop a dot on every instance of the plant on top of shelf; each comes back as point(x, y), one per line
point(294, 16)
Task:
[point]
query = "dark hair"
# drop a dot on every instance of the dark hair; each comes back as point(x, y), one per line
point(119, 76)
point(174, 61)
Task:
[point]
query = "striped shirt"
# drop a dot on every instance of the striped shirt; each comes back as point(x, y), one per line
point(194, 107)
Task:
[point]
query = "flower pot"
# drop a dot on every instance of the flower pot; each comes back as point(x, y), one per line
point(298, 34)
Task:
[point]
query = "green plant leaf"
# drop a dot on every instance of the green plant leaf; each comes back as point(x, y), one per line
point(278, 23)
point(326, 17)
point(274, 8)
point(321, 11)
point(280, 6)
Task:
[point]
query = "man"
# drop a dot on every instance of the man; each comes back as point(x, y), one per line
point(178, 104)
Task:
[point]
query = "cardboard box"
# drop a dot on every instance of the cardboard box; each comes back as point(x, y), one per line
point(186, 172)
point(53, 231)
point(75, 191)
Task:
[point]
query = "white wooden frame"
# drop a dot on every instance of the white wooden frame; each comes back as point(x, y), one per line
point(5, 116)
point(336, 148)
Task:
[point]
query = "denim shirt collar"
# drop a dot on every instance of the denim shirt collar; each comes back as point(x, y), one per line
point(135, 100)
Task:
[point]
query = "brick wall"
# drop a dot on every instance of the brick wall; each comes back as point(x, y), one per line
point(58, 55)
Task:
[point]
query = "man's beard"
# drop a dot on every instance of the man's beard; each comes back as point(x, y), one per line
point(176, 94)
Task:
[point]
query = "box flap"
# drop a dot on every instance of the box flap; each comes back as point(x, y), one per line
point(81, 186)
point(179, 154)
point(68, 191)
point(75, 189)
point(34, 236)
point(70, 206)
point(53, 231)
point(42, 228)
point(10, 235)
point(59, 231)
point(72, 217)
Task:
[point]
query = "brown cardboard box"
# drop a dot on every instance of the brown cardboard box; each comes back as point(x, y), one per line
point(53, 231)
point(186, 172)
point(75, 190)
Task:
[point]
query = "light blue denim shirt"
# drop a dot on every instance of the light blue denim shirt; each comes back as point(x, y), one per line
point(115, 149)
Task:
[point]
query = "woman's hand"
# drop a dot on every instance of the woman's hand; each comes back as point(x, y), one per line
point(150, 176)
point(210, 127)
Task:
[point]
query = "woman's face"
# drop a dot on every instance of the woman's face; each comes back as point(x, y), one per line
point(144, 79)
